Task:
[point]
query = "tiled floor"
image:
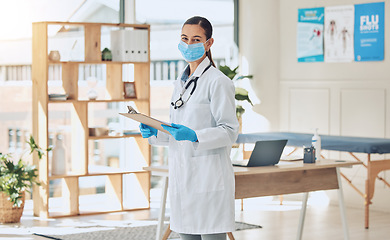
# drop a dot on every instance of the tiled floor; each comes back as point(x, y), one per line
point(278, 222)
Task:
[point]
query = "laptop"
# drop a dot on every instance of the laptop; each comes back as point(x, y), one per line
point(265, 153)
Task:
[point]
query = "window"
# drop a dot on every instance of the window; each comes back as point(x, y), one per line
point(18, 140)
point(11, 140)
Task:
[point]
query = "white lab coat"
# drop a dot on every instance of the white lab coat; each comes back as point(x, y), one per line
point(201, 178)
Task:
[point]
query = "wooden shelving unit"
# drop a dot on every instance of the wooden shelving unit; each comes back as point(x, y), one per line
point(79, 122)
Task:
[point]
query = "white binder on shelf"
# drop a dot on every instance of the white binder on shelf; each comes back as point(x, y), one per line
point(137, 40)
point(130, 45)
point(141, 45)
point(117, 45)
point(144, 46)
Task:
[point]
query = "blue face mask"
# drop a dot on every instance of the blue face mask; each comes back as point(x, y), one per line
point(191, 52)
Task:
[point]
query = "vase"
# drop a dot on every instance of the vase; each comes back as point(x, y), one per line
point(9, 213)
point(54, 56)
point(92, 93)
point(58, 164)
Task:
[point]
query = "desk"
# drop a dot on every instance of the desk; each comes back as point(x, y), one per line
point(339, 143)
point(284, 178)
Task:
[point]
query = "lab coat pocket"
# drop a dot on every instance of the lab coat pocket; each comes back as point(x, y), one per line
point(207, 173)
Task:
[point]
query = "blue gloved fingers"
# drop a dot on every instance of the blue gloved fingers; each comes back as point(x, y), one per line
point(147, 131)
point(180, 132)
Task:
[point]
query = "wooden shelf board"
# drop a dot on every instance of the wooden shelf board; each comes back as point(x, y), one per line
point(95, 62)
point(63, 101)
point(110, 100)
point(61, 215)
point(93, 174)
point(99, 100)
point(145, 26)
point(137, 134)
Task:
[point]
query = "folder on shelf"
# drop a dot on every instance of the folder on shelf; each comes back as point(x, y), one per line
point(142, 118)
point(130, 45)
point(142, 45)
point(118, 46)
point(145, 47)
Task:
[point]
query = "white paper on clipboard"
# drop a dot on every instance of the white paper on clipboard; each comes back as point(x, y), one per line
point(142, 118)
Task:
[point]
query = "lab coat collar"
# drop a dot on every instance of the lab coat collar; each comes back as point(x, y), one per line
point(199, 70)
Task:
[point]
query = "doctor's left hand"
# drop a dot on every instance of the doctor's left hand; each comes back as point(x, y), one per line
point(147, 131)
point(181, 133)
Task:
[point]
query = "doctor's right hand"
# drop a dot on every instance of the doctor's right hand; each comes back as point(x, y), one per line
point(147, 131)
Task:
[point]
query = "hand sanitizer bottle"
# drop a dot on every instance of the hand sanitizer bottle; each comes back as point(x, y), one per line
point(316, 143)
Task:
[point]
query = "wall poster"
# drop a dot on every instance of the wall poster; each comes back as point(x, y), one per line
point(339, 34)
point(369, 31)
point(310, 35)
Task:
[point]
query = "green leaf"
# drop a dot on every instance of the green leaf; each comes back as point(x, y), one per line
point(32, 144)
point(242, 95)
point(242, 77)
point(228, 71)
point(35, 147)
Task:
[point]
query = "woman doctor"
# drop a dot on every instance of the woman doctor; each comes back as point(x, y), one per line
point(204, 127)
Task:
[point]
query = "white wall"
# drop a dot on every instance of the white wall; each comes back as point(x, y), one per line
point(349, 99)
point(259, 50)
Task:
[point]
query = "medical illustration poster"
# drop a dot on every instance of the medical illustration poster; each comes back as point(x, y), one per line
point(310, 35)
point(338, 34)
point(369, 31)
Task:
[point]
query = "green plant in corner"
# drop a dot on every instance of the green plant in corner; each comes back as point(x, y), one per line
point(241, 93)
point(15, 178)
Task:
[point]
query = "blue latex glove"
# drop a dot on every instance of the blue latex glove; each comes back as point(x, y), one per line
point(181, 133)
point(147, 131)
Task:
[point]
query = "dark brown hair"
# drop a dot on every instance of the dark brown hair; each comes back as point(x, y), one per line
point(208, 29)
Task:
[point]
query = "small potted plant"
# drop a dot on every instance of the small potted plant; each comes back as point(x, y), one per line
point(106, 55)
point(15, 179)
point(241, 93)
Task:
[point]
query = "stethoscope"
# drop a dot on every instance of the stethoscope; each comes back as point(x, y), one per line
point(180, 102)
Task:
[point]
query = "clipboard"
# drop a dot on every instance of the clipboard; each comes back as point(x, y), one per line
point(142, 118)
